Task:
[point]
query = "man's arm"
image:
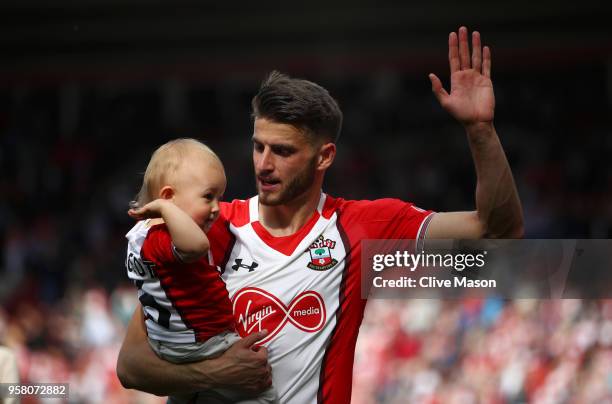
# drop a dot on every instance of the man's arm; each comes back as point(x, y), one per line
point(471, 101)
point(243, 366)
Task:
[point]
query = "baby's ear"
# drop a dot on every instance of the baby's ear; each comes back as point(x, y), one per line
point(166, 192)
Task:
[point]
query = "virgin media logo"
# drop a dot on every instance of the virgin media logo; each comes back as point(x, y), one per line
point(255, 310)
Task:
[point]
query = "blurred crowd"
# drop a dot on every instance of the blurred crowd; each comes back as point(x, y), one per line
point(74, 341)
point(421, 351)
point(491, 351)
point(72, 156)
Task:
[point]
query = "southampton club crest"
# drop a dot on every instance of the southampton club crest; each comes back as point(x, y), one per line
point(320, 254)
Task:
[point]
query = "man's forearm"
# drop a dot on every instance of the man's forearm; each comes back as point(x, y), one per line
point(144, 371)
point(497, 201)
point(243, 366)
point(138, 367)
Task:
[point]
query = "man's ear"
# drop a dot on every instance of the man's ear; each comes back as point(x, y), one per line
point(327, 153)
point(166, 192)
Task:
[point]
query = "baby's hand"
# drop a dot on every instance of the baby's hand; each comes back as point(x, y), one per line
point(149, 211)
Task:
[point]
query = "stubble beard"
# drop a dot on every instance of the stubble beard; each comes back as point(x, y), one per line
point(298, 185)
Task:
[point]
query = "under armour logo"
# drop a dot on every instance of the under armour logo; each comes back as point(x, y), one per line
point(238, 264)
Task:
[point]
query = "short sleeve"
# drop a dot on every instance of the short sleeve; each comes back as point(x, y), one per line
point(221, 238)
point(158, 246)
point(391, 218)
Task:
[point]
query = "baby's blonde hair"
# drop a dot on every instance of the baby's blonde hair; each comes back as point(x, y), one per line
point(164, 163)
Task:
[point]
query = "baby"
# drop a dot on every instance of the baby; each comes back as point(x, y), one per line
point(188, 313)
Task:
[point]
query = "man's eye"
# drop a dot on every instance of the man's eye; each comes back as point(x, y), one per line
point(283, 151)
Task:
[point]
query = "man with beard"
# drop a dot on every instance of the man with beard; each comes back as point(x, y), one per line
point(291, 255)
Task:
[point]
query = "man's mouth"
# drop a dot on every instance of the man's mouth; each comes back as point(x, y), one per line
point(268, 184)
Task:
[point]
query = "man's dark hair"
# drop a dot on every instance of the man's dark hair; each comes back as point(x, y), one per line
point(301, 103)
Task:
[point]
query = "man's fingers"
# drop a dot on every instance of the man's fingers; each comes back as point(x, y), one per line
point(464, 49)
point(251, 339)
point(453, 53)
point(436, 87)
point(268, 382)
point(261, 352)
point(476, 52)
point(486, 61)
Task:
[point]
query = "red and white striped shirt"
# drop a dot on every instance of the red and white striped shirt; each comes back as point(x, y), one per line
point(305, 289)
point(182, 302)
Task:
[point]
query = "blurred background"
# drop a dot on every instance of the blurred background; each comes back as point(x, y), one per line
point(89, 89)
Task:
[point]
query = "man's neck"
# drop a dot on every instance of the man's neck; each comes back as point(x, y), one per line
point(287, 219)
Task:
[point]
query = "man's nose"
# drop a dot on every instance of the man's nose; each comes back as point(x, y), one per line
point(265, 161)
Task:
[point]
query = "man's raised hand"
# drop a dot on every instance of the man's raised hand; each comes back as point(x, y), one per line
point(471, 100)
